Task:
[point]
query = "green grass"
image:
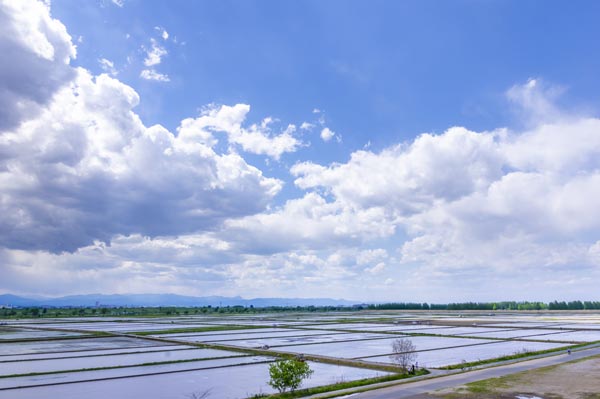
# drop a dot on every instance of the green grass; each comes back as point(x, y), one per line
point(491, 386)
point(514, 356)
point(487, 386)
point(340, 385)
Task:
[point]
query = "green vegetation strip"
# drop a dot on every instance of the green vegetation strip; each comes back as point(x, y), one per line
point(514, 356)
point(134, 365)
point(88, 355)
point(486, 386)
point(232, 336)
point(309, 357)
point(490, 385)
point(120, 377)
point(418, 334)
point(309, 343)
point(340, 385)
point(399, 333)
point(195, 330)
point(91, 334)
point(276, 354)
point(515, 339)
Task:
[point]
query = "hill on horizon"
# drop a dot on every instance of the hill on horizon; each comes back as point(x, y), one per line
point(151, 300)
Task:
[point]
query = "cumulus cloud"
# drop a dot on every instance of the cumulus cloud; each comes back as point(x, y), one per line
point(36, 50)
point(109, 269)
point(154, 54)
point(327, 134)
point(407, 178)
point(256, 138)
point(191, 264)
point(309, 222)
point(140, 208)
point(151, 74)
point(500, 199)
point(88, 169)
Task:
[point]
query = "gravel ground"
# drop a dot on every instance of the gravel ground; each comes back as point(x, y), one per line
point(575, 380)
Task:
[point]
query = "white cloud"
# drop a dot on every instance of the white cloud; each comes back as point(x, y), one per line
point(306, 126)
point(536, 100)
point(327, 134)
point(193, 265)
point(369, 256)
point(506, 201)
point(377, 269)
point(256, 139)
point(196, 132)
point(141, 209)
point(309, 222)
point(108, 66)
point(594, 253)
point(88, 169)
point(151, 74)
point(118, 3)
point(163, 32)
point(410, 177)
point(562, 147)
point(154, 54)
point(39, 50)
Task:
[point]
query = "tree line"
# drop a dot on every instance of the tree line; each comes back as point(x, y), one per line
point(83, 311)
point(504, 305)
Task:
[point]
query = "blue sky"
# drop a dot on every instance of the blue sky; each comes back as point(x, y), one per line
point(409, 67)
point(440, 150)
point(383, 72)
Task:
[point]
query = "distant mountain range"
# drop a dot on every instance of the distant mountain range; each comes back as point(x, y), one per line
point(165, 300)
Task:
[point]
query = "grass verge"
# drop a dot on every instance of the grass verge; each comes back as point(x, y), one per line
point(493, 387)
point(514, 356)
point(339, 385)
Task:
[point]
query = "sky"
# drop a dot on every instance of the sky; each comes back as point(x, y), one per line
point(368, 150)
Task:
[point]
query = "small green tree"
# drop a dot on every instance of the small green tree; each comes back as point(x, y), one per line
point(288, 374)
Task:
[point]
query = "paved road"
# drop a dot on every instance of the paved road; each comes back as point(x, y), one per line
point(420, 387)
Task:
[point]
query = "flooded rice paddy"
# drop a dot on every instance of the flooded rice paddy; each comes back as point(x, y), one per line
point(229, 356)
